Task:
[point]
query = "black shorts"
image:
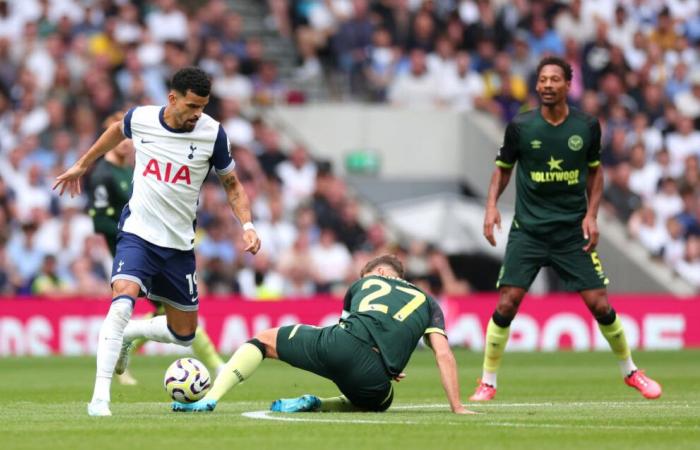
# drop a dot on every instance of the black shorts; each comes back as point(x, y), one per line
point(526, 253)
point(335, 354)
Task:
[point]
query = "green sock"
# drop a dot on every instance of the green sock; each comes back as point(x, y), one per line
point(136, 344)
point(615, 336)
point(337, 404)
point(496, 340)
point(204, 350)
point(239, 368)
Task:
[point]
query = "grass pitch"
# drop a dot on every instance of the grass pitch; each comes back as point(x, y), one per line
point(545, 401)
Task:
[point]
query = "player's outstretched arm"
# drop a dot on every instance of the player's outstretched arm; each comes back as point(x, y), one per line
point(594, 191)
point(492, 217)
point(447, 365)
point(240, 205)
point(70, 179)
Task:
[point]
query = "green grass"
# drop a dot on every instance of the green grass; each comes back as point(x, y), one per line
point(545, 401)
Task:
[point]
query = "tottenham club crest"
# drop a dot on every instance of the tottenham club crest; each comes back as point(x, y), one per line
point(575, 142)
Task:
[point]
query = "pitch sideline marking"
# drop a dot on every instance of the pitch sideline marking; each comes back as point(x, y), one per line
point(267, 415)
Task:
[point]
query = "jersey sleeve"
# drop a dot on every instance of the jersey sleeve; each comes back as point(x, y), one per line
point(508, 153)
point(347, 301)
point(221, 157)
point(593, 156)
point(126, 122)
point(437, 319)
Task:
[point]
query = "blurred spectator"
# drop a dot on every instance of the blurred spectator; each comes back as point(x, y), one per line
point(618, 196)
point(461, 88)
point(260, 281)
point(230, 84)
point(688, 102)
point(279, 234)
point(48, 282)
point(330, 261)
point(416, 88)
point(298, 176)
point(689, 267)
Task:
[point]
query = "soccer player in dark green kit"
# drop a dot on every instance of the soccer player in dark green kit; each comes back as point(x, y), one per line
point(109, 190)
point(559, 183)
point(383, 319)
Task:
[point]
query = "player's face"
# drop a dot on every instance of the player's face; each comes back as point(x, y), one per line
point(552, 87)
point(188, 108)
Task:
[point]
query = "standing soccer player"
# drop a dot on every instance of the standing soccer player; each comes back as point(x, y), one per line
point(176, 145)
point(383, 319)
point(109, 190)
point(559, 186)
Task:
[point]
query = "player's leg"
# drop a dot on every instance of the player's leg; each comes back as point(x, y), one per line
point(203, 348)
point(583, 272)
point(109, 343)
point(611, 327)
point(244, 361)
point(172, 284)
point(525, 254)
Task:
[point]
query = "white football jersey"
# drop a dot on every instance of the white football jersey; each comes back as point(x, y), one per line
point(171, 166)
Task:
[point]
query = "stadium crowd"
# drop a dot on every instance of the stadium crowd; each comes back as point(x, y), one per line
point(69, 64)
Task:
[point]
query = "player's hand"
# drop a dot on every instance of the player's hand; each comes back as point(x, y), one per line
point(462, 410)
point(399, 377)
point(70, 180)
point(590, 233)
point(491, 218)
point(252, 241)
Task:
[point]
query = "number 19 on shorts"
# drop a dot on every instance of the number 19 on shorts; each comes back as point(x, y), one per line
point(192, 282)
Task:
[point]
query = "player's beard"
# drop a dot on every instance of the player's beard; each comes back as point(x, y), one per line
point(550, 100)
point(189, 125)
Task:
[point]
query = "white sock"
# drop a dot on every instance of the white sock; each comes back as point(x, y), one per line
point(627, 366)
point(489, 378)
point(110, 343)
point(154, 329)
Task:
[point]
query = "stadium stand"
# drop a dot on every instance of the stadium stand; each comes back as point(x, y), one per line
point(69, 64)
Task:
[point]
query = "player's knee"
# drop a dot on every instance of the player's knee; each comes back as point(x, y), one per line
point(268, 339)
point(184, 339)
point(121, 308)
point(125, 287)
point(509, 301)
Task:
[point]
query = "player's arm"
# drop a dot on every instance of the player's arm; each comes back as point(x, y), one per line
point(240, 205)
point(436, 339)
point(70, 179)
point(594, 190)
point(445, 360)
point(507, 156)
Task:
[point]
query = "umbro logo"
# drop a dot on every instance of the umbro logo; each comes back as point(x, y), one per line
point(536, 144)
point(143, 141)
point(121, 263)
point(192, 149)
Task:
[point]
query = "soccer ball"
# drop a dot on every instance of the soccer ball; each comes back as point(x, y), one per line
point(187, 380)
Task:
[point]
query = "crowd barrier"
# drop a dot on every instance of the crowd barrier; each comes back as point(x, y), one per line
point(70, 327)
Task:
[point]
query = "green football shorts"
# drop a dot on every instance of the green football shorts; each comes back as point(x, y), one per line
point(526, 253)
point(333, 353)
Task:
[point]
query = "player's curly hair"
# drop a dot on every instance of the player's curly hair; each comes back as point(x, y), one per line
point(191, 79)
point(556, 61)
point(391, 261)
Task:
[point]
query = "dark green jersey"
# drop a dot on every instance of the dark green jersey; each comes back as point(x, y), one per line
point(392, 315)
point(553, 163)
point(109, 189)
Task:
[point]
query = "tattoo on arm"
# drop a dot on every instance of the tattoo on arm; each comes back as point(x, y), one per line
point(237, 198)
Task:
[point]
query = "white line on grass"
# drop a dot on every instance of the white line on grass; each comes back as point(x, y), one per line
point(265, 415)
point(634, 404)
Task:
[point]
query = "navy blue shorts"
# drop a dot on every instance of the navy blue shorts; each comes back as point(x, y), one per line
point(165, 275)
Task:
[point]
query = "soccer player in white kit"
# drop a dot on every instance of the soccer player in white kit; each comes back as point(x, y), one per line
point(176, 145)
